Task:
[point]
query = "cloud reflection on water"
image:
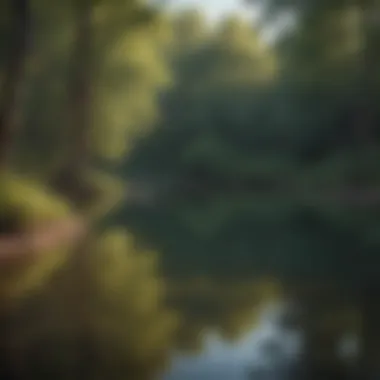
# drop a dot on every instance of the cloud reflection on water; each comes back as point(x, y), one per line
point(265, 348)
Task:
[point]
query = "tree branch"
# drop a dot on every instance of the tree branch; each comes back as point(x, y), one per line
point(29, 244)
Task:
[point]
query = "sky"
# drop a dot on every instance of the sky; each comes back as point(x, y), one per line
point(214, 9)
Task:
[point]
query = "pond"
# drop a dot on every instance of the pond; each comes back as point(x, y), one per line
point(267, 350)
point(227, 260)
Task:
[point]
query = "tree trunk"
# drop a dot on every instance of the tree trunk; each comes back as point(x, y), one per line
point(70, 179)
point(364, 123)
point(81, 88)
point(14, 71)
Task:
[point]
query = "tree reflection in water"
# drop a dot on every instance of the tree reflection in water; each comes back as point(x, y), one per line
point(269, 351)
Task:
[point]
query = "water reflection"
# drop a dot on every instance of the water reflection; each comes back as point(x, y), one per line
point(245, 180)
point(267, 351)
point(214, 254)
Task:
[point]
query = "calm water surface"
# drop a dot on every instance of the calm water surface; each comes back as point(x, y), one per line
point(225, 361)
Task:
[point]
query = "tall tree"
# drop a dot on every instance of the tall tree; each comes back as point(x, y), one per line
point(19, 30)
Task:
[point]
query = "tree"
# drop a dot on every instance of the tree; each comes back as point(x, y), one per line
point(71, 177)
point(310, 162)
point(198, 112)
point(26, 206)
point(19, 14)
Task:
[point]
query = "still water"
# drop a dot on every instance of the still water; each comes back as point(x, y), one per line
point(207, 249)
point(267, 350)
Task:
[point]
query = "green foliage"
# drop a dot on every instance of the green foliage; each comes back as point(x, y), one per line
point(128, 80)
point(263, 142)
point(128, 69)
point(257, 147)
point(121, 322)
